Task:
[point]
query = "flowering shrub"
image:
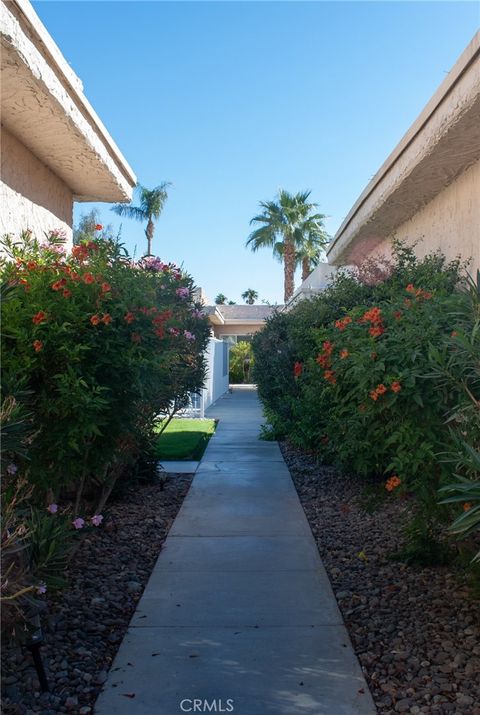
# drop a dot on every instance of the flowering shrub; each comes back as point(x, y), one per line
point(104, 345)
point(348, 375)
point(96, 348)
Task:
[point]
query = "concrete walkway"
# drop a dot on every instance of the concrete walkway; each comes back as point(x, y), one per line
point(238, 611)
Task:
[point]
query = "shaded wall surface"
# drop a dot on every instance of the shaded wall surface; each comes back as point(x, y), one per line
point(449, 223)
point(31, 195)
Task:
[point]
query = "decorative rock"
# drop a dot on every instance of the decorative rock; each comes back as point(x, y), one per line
point(101, 677)
point(134, 587)
point(77, 649)
point(410, 626)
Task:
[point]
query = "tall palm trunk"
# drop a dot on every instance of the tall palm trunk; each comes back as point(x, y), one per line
point(289, 269)
point(149, 234)
point(306, 270)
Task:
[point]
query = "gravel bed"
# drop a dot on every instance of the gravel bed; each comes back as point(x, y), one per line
point(415, 630)
point(84, 624)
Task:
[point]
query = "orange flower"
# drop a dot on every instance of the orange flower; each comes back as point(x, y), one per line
point(327, 347)
point(80, 252)
point(376, 331)
point(37, 345)
point(297, 369)
point(342, 324)
point(74, 275)
point(107, 319)
point(25, 284)
point(106, 287)
point(454, 334)
point(58, 285)
point(31, 265)
point(95, 319)
point(67, 293)
point(395, 386)
point(410, 288)
point(392, 483)
point(397, 315)
point(329, 375)
point(379, 390)
point(88, 278)
point(467, 506)
point(98, 227)
point(39, 317)
point(129, 317)
point(344, 354)
point(323, 360)
point(374, 316)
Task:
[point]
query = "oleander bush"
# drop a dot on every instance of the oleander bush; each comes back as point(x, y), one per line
point(96, 348)
point(371, 376)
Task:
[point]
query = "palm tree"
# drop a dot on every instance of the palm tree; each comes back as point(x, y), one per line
point(309, 252)
point(150, 206)
point(250, 296)
point(285, 225)
point(220, 299)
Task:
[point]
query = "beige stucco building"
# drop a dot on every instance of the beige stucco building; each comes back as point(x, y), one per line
point(427, 192)
point(54, 148)
point(233, 323)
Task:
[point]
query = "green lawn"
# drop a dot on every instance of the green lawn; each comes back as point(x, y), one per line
point(184, 439)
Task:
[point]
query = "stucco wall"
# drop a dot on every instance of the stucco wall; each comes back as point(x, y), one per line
point(450, 222)
point(427, 184)
point(216, 383)
point(237, 329)
point(31, 195)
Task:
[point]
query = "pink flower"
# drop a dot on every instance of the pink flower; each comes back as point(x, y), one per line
point(189, 335)
point(12, 469)
point(174, 331)
point(152, 263)
point(52, 508)
point(42, 587)
point(96, 519)
point(183, 292)
point(78, 523)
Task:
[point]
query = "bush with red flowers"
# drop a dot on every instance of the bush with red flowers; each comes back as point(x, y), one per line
point(348, 375)
point(102, 346)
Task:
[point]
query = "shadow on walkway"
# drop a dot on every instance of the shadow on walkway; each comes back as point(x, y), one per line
point(238, 615)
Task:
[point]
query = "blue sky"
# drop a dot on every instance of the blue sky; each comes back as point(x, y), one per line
point(230, 101)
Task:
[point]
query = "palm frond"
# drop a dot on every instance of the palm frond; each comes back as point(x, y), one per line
point(134, 212)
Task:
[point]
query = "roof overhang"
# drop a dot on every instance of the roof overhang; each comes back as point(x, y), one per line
point(216, 317)
point(442, 143)
point(43, 105)
point(243, 321)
